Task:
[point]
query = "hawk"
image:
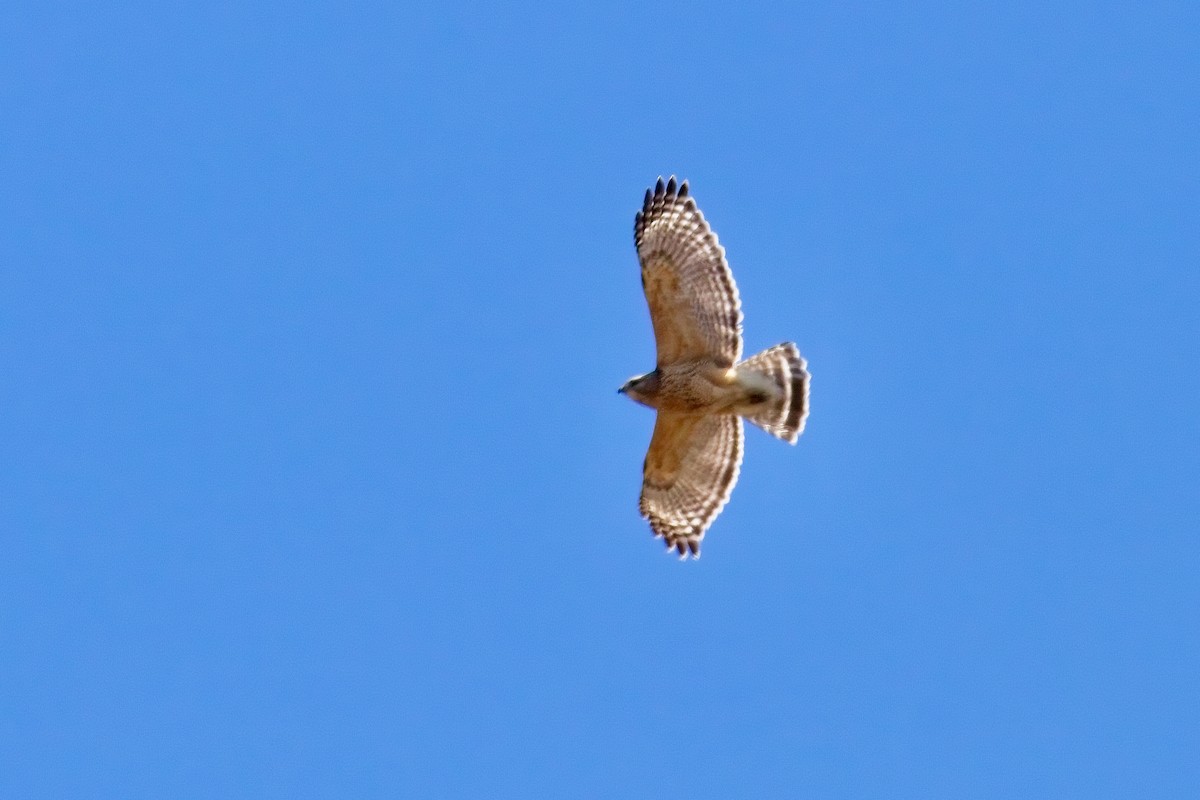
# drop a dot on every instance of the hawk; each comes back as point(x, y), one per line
point(700, 387)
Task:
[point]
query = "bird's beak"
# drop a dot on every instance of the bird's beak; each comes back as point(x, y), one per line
point(621, 390)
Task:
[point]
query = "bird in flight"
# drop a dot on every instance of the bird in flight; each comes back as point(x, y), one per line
point(700, 387)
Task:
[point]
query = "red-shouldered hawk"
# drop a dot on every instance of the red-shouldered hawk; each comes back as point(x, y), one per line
point(699, 388)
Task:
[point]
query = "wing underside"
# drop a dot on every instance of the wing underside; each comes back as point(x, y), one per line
point(691, 468)
point(689, 287)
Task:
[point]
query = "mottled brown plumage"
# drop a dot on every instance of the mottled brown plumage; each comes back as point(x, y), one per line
point(699, 388)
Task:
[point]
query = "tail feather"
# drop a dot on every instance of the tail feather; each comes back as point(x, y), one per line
point(783, 411)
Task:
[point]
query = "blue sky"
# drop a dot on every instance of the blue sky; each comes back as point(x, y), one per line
point(316, 483)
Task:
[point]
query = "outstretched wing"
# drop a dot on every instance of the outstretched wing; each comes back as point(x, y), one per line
point(691, 467)
point(693, 300)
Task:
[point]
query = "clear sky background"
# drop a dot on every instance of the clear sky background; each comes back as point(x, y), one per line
point(315, 482)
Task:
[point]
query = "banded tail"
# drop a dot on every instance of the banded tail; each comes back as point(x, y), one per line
point(784, 374)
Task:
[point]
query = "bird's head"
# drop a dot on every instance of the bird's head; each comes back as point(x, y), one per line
point(641, 388)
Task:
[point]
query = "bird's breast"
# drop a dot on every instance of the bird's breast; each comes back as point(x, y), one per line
point(697, 388)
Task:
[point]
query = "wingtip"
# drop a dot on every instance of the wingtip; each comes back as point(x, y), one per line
point(670, 186)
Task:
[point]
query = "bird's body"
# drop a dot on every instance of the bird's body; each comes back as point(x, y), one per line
point(688, 387)
point(700, 387)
